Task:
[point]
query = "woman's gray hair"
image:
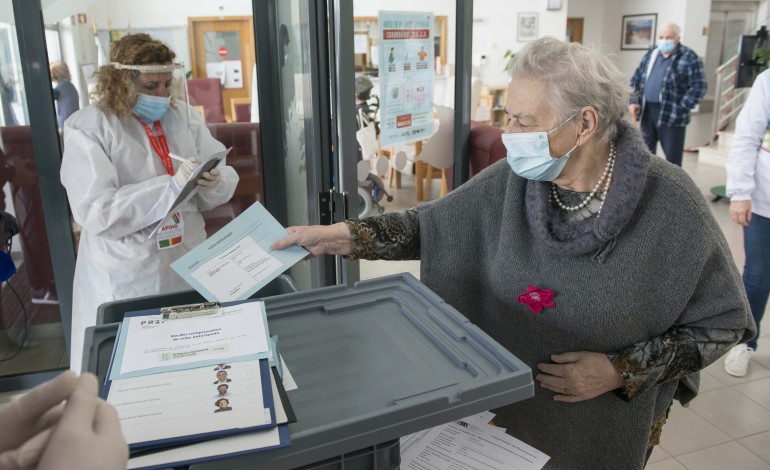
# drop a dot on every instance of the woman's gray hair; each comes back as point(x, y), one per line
point(576, 76)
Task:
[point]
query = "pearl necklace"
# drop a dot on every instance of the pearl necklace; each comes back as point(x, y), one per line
point(606, 177)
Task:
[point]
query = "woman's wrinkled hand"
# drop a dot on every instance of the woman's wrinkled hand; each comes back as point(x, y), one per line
point(319, 239)
point(578, 376)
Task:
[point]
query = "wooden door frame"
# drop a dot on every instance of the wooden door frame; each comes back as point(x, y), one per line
point(248, 54)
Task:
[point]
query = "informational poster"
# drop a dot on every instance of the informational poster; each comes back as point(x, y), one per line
point(406, 76)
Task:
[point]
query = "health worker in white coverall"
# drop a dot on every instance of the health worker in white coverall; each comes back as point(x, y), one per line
point(126, 159)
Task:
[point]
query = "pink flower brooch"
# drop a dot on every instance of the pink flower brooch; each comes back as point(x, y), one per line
point(536, 298)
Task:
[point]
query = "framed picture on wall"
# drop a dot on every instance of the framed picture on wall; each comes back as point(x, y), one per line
point(638, 31)
point(527, 27)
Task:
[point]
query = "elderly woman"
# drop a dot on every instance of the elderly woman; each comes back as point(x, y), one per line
point(122, 175)
point(596, 263)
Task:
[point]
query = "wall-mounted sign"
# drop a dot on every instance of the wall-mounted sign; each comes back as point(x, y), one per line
point(406, 76)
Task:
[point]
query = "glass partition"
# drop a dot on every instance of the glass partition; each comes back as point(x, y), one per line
point(404, 57)
point(404, 62)
point(31, 333)
point(215, 45)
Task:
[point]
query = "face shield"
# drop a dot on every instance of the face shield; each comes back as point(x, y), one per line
point(159, 88)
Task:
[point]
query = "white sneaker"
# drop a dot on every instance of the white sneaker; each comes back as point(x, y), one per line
point(737, 360)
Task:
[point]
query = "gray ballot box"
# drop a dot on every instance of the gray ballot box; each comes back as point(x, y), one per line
point(374, 362)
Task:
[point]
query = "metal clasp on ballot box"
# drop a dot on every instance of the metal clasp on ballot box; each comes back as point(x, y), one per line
point(189, 310)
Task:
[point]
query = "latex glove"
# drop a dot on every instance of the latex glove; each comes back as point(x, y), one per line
point(319, 239)
point(32, 414)
point(185, 171)
point(209, 180)
point(88, 435)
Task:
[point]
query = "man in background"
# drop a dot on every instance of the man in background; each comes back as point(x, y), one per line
point(668, 84)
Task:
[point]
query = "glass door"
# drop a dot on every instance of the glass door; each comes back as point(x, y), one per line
point(292, 62)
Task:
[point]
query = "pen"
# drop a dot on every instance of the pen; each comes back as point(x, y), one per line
point(177, 157)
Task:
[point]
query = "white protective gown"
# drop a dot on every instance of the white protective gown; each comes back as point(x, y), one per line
point(118, 190)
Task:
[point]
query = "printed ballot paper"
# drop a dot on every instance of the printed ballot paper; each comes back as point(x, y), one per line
point(238, 260)
point(189, 402)
point(468, 444)
point(180, 375)
point(147, 344)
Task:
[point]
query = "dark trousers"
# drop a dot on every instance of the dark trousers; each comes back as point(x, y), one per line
point(756, 271)
point(671, 138)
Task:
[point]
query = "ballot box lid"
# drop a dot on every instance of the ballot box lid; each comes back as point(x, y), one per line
point(374, 362)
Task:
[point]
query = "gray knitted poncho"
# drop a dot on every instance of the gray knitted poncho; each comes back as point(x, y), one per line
point(655, 258)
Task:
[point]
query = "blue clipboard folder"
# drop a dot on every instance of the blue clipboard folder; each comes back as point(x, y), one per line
point(183, 404)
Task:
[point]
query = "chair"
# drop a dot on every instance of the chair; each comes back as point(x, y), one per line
point(242, 112)
point(486, 146)
point(16, 151)
point(246, 160)
point(207, 92)
point(437, 152)
point(240, 109)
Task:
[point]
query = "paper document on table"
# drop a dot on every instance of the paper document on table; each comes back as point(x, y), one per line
point(461, 445)
point(148, 344)
point(178, 405)
point(238, 260)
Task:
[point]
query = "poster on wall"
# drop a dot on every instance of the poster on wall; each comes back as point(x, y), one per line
point(406, 76)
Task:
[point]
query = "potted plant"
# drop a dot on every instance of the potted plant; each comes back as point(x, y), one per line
point(511, 58)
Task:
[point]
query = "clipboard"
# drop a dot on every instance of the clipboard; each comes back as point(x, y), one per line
point(253, 319)
point(174, 407)
point(191, 186)
point(192, 183)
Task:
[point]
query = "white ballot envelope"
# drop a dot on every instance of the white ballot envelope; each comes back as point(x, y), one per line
point(238, 260)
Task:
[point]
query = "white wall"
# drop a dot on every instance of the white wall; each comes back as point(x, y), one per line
point(592, 12)
point(6, 13)
point(691, 15)
point(495, 31)
point(143, 13)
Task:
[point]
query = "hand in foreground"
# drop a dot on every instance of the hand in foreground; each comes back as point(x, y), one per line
point(578, 376)
point(32, 413)
point(88, 435)
point(209, 179)
point(185, 171)
point(740, 212)
point(319, 239)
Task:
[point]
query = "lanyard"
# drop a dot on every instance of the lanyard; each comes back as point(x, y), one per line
point(159, 145)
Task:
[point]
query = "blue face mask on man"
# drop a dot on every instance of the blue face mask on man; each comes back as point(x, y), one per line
point(529, 155)
point(150, 108)
point(666, 46)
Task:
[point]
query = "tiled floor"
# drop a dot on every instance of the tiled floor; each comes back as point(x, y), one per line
point(728, 425)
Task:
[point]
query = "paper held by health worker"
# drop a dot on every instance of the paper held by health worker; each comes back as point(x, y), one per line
point(191, 188)
point(238, 260)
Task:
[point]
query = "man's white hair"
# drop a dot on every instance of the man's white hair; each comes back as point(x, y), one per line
point(675, 27)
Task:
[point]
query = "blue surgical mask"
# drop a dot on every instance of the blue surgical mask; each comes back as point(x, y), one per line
point(666, 46)
point(529, 155)
point(151, 108)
